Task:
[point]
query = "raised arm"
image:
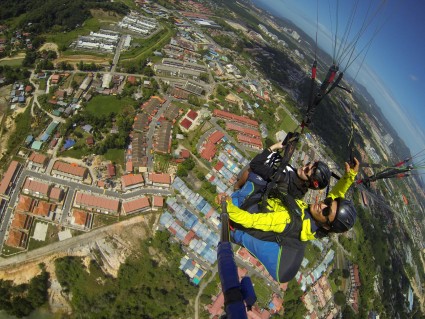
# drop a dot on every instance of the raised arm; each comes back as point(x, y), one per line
point(342, 186)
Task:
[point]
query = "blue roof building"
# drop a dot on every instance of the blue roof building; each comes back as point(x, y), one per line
point(44, 137)
point(29, 139)
point(52, 127)
point(68, 144)
point(88, 128)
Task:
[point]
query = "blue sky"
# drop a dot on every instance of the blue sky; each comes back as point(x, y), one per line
point(394, 67)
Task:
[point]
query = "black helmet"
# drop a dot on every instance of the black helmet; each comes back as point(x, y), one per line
point(345, 216)
point(321, 176)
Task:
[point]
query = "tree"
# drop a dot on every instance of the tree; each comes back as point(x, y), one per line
point(204, 77)
point(74, 85)
point(148, 71)
point(181, 171)
point(30, 58)
point(339, 298)
point(37, 291)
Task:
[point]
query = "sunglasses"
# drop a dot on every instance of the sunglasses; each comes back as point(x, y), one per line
point(328, 210)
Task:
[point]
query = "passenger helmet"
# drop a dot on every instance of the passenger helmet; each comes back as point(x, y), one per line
point(345, 216)
point(321, 176)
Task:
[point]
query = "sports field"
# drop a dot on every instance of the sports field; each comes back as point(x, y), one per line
point(106, 104)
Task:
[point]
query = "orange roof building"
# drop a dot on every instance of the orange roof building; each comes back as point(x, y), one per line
point(36, 188)
point(17, 239)
point(69, 170)
point(44, 209)
point(56, 194)
point(255, 143)
point(55, 78)
point(184, 153)
point(129, 167)
point(216, 137)
point(134, 206)
point(243, 130)
point(25, 204)
point(157, 201)
point(208, 151)
point(131, 181)
point(111, 170)
point(97, 203)
point(9, 177)
point(160, 179)
point(38, 160)
point(22, 221)
point(217, 306)
point(236, 118)
point(79, 217)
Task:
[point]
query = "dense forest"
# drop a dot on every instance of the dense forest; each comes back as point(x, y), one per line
point(43, 15)
point(21, 300)
point(149, 285)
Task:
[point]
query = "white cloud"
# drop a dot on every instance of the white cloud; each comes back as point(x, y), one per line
point(413, 77)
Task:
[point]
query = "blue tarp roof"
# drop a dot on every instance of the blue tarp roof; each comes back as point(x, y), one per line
point(68, 144)
point(44, 137)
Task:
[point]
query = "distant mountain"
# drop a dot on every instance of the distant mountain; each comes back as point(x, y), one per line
point(361, 93)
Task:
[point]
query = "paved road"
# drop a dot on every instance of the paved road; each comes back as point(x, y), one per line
point(74, 242)
point(201, 289)
point(36, 93)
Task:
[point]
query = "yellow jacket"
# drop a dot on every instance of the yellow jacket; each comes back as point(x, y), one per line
point(278, 217)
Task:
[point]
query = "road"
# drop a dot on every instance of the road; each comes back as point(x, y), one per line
point(36, 93)
point(201, 290)
point(74, 242)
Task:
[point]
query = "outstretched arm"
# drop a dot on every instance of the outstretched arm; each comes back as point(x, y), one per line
point(344, 183)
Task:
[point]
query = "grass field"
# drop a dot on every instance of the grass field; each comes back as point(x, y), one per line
point(14, 62)
point(105, 105)
point(42, 84)
point(115, 155)
point(262, 291)
point(287, 123)
point(75, 153)
point(63, 40)
point(162, 163)
point(147, 46)
point(51, 236)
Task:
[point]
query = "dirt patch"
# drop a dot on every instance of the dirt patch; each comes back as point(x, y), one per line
point(18, 56)
point(74, 59)
point(8, 122)
point(50, 46)
point(4, 97)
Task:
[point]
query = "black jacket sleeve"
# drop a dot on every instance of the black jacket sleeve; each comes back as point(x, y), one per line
point(259, 167)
